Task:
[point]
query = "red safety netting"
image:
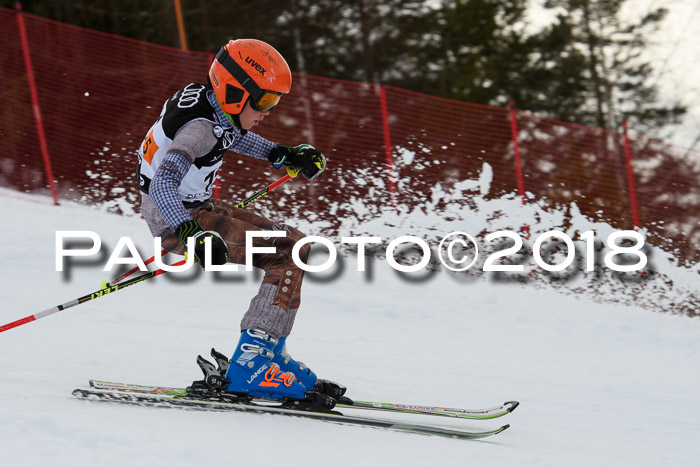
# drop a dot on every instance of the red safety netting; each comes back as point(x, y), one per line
point(99, 93)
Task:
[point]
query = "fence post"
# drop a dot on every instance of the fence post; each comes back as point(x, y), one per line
point(180, 25)
point(391, 169)
point(35, 102)
point(630, 176)
point(518, 166)
point(516, 148)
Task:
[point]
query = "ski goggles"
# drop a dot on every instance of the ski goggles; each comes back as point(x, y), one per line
point(266, 102)
point(260, 99)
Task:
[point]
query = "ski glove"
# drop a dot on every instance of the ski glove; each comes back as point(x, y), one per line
point(219, 250)
point(304, 157)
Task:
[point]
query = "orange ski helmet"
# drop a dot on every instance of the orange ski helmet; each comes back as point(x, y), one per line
point(249, 68)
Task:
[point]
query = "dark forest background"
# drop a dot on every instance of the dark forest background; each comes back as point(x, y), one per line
point(584, 66)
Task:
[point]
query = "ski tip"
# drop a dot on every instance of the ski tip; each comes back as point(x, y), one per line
point(504, 428)
point(513, 405)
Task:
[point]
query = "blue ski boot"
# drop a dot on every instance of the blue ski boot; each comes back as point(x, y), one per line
point(303, 373)
point(252, 372)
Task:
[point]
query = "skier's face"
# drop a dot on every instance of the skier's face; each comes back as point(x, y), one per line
point(249, 117)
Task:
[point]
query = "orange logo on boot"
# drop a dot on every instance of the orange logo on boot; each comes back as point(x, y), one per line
point(274, 376)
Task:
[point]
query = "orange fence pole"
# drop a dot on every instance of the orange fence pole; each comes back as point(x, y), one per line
point(180, 25)
point(35, 103)
point(387, 144)
point(518, 166)
point(516, 148)
point(630, 175)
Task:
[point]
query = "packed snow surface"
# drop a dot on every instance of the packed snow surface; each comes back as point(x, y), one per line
point(599, 384)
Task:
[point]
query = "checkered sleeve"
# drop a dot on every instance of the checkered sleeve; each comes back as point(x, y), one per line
point(253, 145)
point(164, 189)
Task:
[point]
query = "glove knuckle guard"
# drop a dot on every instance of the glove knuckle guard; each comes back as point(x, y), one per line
point(303, 156)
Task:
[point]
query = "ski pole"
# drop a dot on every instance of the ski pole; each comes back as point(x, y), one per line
point(127, 274)
point(86, 298)
point(291, 173)
point(109, 288)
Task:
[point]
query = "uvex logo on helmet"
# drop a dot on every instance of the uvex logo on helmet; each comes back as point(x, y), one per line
point(255, 65)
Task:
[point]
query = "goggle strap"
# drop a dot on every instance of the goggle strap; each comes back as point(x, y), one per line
point(240, 74)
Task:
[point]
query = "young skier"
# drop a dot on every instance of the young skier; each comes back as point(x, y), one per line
point(178, 161)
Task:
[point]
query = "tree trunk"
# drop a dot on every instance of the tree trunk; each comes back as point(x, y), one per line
point(592, 64)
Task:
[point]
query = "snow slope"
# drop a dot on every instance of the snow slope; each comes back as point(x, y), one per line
point(599, 384)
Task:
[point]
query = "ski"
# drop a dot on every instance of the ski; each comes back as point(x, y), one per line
point(178, 401)
point(468, 414)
